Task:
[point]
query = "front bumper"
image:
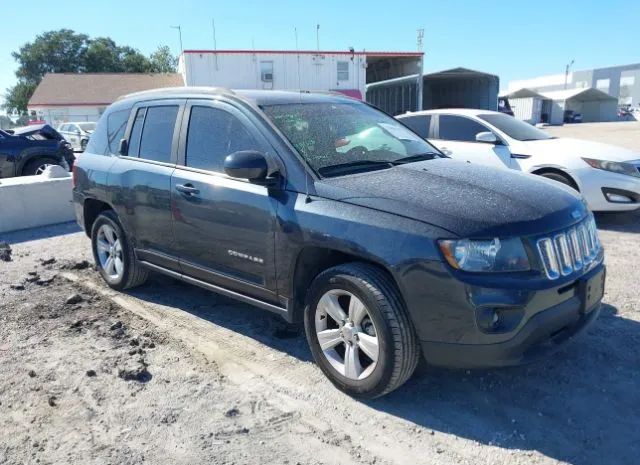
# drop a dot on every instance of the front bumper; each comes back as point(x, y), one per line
point(543, 334)
point(594, 184)
point(549, 319)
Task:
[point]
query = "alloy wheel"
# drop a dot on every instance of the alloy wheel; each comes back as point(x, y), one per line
point(347, 335)
point(40, 169)
point(109, 248)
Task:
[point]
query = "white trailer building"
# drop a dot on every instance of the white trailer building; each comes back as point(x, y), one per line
point(343, 71)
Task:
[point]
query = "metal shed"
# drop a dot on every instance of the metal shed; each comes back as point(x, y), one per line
point(594, 104)
point(452, 88)
point(527, 105)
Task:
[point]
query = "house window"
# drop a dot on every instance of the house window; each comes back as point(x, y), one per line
point(581, 84)
point(343, 71)
point(266, 71)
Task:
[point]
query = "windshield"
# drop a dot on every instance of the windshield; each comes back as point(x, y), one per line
point(87, 126)
point(351, 136)
point(514, 128)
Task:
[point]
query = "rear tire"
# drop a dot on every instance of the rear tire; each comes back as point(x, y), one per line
point(114, 255)
point(83, 144)
point(360, 289)
point(561, 178)
point(38, 165)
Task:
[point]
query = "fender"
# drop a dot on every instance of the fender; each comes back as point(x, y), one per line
point(575, 179)
point(31, 153)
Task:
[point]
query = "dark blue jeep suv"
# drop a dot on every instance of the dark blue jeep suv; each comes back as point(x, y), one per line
point(325, 210)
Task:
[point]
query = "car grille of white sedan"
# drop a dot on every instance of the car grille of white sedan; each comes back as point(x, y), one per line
point(570, 250)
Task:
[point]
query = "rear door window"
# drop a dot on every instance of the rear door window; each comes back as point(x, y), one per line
point(157, 133)
point(458, 128)
point(419, 124)
point(212, 135)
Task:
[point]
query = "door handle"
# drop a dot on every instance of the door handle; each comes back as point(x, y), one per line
point(187, 189)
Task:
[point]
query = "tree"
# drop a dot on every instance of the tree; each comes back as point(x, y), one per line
point(163, 61)
point(60, 51)
point(66, 51)
point(18, 96)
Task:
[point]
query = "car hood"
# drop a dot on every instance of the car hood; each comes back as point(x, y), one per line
point(575, 147)
point(467, 200)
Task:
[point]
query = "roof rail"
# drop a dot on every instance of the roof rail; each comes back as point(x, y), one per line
point(179, 90)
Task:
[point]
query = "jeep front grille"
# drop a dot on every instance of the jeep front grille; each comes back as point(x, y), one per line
point(571, 250)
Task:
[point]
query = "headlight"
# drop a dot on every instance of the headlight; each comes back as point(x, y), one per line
point(495, 255)
point(614, 166)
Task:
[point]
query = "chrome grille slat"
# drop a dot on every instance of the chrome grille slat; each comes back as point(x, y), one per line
point(570, 250)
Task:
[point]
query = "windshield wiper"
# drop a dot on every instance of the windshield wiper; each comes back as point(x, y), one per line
point(344, 168)
point(417, 157)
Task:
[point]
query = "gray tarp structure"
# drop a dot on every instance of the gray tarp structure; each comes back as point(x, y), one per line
point(452, 88)
point(460, 88)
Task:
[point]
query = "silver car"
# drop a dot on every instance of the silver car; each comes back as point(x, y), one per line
point(77, 134)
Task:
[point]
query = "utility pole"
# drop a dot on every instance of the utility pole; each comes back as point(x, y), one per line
point(179, 35)
point(318, 36)
point(215, 45)
point(566, 72)
point(420, 82)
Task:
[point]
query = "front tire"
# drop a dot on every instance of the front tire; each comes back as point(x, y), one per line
point(561, 178)
point(38, 165)
point(359, 332)
point(114, 255)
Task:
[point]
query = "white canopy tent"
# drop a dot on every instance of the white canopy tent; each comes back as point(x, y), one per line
point(594, 105)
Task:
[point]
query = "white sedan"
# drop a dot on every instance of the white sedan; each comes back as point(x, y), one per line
point(607, 176)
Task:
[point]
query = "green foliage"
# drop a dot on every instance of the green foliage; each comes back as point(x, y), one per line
point(66, 51)
point(18, 96)
point(162, 61)
point(60, 51)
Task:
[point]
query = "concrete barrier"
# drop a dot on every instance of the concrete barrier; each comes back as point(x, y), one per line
point(30, 201)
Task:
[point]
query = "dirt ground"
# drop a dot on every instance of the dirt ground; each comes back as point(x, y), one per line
point(172, 374)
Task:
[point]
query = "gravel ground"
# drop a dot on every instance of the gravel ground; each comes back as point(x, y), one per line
point(625, 133)
point(172, 374)
point(168, 382)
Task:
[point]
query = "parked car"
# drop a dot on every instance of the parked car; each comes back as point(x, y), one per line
point(571, 116)
point(28, 151)
point(608, 177)
point(325, 210)
point(504, 106)
point(77, 134)
point(625, 114)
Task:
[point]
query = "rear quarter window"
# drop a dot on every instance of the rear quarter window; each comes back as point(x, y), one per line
point(109, 130)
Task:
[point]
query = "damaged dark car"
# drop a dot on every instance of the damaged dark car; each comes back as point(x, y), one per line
point(29, 150)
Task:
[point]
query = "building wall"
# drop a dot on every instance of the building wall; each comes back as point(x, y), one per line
point(58, 115)
point(622, 82)
point(242, 70)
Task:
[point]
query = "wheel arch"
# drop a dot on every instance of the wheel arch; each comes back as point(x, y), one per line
point(91, 209)
point(540, 170)
point(313, 260)
point(29, 155)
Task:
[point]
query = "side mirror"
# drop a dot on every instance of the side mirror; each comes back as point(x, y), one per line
point(247, 164)
point(487, 137)
point(123, 147)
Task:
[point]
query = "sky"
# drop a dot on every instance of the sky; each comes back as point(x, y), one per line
point(514, 39)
